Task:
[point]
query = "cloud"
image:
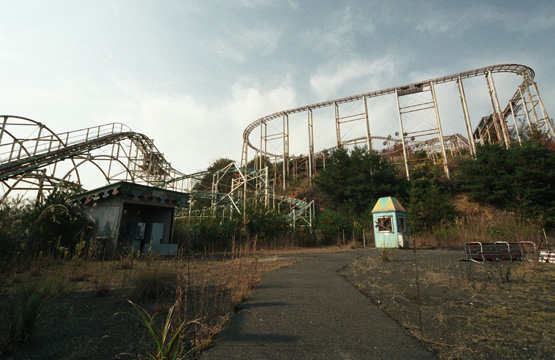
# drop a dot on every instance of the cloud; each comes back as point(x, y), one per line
point(192, 133)
point(454, 21)
point(239, 45)
point(332, 78)
point(249, 101)
point(337, 33)
point(294, 4)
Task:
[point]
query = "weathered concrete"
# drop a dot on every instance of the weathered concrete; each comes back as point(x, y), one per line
point(308, 311)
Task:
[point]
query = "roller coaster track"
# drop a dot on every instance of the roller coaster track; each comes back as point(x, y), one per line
point(31, 154)
point(524, 107)
point(33, 157)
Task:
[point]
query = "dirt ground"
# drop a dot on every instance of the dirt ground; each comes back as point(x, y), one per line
point(463, 310)
point(85, 323)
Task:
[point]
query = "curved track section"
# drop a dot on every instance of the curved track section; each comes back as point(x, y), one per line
point(417, 100)
point(35, 158)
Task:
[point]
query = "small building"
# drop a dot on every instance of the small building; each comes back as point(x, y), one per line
point(390, 224)
point(137, 215)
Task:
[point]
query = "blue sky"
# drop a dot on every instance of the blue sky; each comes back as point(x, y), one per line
point(193, 74)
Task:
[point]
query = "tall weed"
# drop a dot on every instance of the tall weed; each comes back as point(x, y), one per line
point(168, 338)
point(28, 305)
point(153, 282)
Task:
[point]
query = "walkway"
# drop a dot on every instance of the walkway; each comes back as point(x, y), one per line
point(308, 311)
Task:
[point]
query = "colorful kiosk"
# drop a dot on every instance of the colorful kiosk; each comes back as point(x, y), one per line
point(390, 224)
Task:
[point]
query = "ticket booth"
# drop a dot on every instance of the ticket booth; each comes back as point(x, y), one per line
point(390, 224)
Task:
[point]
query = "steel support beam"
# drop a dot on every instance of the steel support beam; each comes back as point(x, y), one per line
point(440, 131)
point(466, 115)
point(405, 157)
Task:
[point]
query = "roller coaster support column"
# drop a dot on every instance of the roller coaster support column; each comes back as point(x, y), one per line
point(311, 160)
point(337, 125)
point(526, 111)
point(527, 81)
point(544, 112)
point(514, 119)
point(285, 150)
point(440, 131)
point(462, 96)
point(402, 135)
point(497, 110)
point(244, 154)
point(366, 117)
point(263, 143)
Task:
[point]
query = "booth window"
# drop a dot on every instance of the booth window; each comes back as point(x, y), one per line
point(385, 224)
point(402, 224)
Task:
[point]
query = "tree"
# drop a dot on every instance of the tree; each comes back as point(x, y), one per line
point(520, 178)
point(429, 201)
point(205, 184)
point(355, 180)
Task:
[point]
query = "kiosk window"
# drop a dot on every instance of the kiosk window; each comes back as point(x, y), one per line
point(384, 224)
point(402, 224)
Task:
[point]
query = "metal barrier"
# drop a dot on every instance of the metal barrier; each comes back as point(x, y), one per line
point(499, 250)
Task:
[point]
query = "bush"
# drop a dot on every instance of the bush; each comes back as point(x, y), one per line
point(356, 179)
point(155, 282)
point(519, 178)
point(333, 224)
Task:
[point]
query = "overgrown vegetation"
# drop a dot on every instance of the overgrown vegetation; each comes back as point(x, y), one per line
point(54, 227)
point(519, 178)
point(512, 199)
point(179, 304)
point(468, 310)
point(26, 307)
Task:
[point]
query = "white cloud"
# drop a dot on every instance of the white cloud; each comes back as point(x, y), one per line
point(241, 44)
point(191, 133)
point(331, 78)
point(337, 33)
point(257, 3)
point(250, 102)
point(454, 21)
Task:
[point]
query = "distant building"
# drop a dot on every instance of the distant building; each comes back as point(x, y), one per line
point(137, 215)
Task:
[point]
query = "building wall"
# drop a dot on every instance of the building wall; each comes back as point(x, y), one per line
point(112, 216)
point(388, 239)
point(106, 214)
point(137, 212)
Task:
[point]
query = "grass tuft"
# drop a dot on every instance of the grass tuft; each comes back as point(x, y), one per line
point(28, 304)
point(168, 337)
point(154, 282)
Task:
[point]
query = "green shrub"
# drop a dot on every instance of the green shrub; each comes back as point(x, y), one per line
point(168, 339)
point(333, 224)
point(519, 178)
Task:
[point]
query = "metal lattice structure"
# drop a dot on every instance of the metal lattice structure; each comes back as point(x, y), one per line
point(419, 101)
point(246, 183)
point(35, 159)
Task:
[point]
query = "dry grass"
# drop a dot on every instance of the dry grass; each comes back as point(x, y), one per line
point(479, 222)
point(469, 311)
point(205, 287)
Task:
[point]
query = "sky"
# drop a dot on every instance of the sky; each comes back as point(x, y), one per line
point(192, 74)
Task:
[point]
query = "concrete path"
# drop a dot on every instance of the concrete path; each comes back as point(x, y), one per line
point(308, 311)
